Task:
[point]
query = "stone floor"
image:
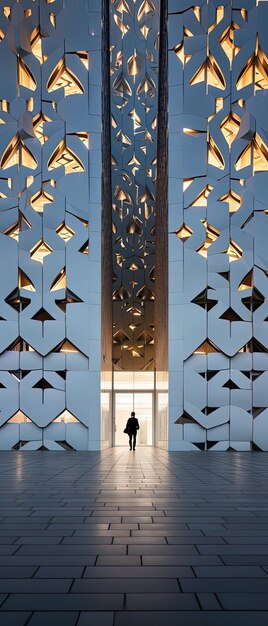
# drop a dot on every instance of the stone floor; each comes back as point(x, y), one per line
point(123, 538)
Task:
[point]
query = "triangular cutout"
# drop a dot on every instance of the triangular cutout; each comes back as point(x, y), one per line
point(63, 77)
point(206, 347)
point(246, 282)
point(84, 248)
point(17, 153)
point(185, 418)
point(59, 282)
point(42, 316)
point(67, 346)
point(25, 282)
point(230, 385)
point(25, 76)
point(39, 252)
point(42, 384)
point(63, 155)
point(231, 316)
point(257, 346)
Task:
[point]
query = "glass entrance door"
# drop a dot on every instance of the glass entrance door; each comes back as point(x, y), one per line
point(142, 404)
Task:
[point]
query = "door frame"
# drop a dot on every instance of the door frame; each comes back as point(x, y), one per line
point(131, 391)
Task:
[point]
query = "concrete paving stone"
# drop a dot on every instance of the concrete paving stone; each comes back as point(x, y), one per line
point(127, 585)
point(118, 560)
point(194, 540)
point(102, 533)
point(64, 602)
point(186, 559)
point(69, 550)
point(8, 550)
point(162, 550)
point(244, 601)
point(63, 618)
point(15, 561)
point(59, 572)
point(139, 541)
point(17, 572)
point(138, 572)
point(229, 572)
point(208, 602)
point(233, 585)
point(161, 602)
point(233, 549)
point(97, 540)
point(191, 618)
point(95, 619)
point(33, 585)
point(245, 559)
point(247, 540)
point(38, 540)
point(14, 618)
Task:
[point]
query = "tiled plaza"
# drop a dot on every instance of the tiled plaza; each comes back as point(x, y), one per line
point(145, 538)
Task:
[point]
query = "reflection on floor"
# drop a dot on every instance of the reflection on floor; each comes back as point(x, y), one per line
point(124, 538)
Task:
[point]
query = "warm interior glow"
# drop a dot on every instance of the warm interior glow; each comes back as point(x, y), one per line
point(255, 154)
point(39, 199)
point(144, 9)
point(211, 235)
point(123, 27)
point(234, 251)
point(25, 282)
point(6, 11)
point(66, 418)
point(52, 18)
point(63, 155)
point(134, 64)
point(230, 127)
point(36, 44)
point(184, 232)
point(67, 346)
point(233, 200)
point(59, 282)
point(215, 157)
point(25, 76)
point(13, 231)
point(201, 199)
point(39, 252)
point(227, 42)
point(17, 153)
point(38, 125)
point(247, 282)
point(83, 56)
point(63, 78)
point(65, 232)
point(209, 72)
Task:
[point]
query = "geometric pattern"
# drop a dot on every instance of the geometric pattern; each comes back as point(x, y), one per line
point(50, 213)
point(134, 28)
point(218, 258)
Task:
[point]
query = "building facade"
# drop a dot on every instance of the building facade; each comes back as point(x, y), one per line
point(133, 223)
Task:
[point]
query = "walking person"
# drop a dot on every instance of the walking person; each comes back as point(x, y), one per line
point(131, 428)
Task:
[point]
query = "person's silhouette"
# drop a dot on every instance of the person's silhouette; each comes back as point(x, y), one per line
point(132, 427)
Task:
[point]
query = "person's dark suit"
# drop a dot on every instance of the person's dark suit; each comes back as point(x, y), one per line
point(132, 427)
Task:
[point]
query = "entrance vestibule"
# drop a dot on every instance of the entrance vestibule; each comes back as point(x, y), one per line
point(133, 391)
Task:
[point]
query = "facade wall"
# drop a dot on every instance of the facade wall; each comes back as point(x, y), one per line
point(50, 224)
point(218, 260)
